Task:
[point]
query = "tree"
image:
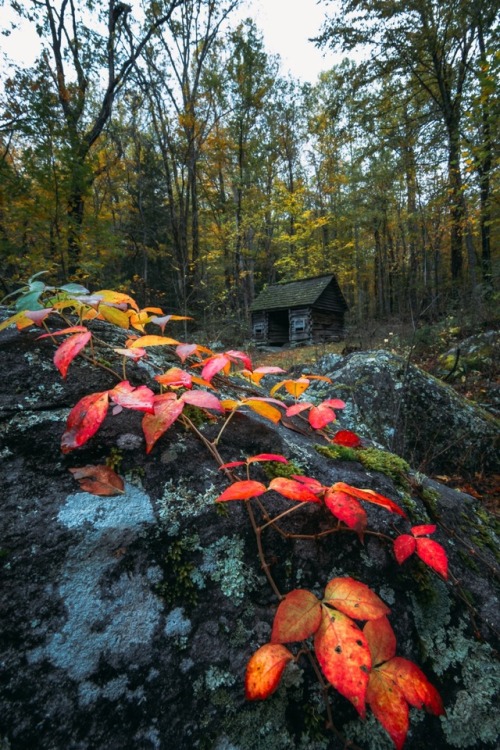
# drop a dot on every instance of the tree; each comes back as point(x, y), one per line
point(81, 44)
point(431, 42)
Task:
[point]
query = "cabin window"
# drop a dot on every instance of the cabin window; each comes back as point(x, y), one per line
point(299, 324)
point(258, 330)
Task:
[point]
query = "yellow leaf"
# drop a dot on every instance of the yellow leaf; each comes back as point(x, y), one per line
point(144, 341)
point(115, 316)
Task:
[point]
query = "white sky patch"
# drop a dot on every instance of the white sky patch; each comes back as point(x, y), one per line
point(286, 26)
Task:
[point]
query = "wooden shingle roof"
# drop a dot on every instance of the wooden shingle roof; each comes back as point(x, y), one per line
point(304, 292)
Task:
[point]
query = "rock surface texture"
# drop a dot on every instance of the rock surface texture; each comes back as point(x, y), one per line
point(412, 413)
point(127, 621)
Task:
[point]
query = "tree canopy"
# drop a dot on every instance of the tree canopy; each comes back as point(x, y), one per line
point(158, 146)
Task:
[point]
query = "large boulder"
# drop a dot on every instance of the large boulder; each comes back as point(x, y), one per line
point(408, 411)
point(127, 621)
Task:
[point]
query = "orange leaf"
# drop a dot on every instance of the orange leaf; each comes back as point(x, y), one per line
point(84, 420)
point(381, 640)
point(242, 491)
point(166, 411)
point(346, 509)
point(389, 706)
point(370, 496)
point(433, 555)
point(264, 670)
point(293, 490)
point(98, 480)
point(175, 377)
point(298, 617)
point(355, 599)
point(343, 654)
point(414, 685)
point(68, 350)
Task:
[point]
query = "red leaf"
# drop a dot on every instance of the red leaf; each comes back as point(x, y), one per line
point(135, 354)
point(355, 599)
point(335, 403)
point(166, 411)
point(347, 438)
point(213, 365)
point(343, 654)
point(310, 483)
point(381, 640)
point(389, 706)
point(404, 546)
point(422, 530)
point(293, 490)
point(298, 617)
point(297, 408)
point(202, 399)
point(264, 670)
point(267, 457)
point(242, 491)
point(370, 496)
point(38, 316)
point(232, 465)
point(84, 420)
point(346, 509)
point(63, 331)
point(433, 555)
point(414, 685)
point(98, 480)
point(126, 395)
point(68, 350)
point(233, 354)
point(184, 351)
point(320, 416)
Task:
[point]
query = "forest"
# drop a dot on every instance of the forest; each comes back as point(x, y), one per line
point(156, 148)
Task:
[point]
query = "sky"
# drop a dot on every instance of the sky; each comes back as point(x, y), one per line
point(286, 26)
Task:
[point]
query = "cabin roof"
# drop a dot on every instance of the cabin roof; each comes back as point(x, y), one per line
point(303, 292)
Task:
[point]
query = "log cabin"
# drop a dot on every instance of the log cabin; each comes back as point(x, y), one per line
point(306, 311)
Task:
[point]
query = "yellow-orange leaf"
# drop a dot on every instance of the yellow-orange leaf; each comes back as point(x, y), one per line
point(116, 298)
point(297, 617)
point(381, 640)
point(344, 656)
point(389, 706)
point(264, 670)
point(264, 409)
point(355, 599)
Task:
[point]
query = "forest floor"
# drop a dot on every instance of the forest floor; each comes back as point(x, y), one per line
point(423, 347)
